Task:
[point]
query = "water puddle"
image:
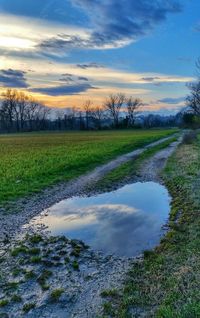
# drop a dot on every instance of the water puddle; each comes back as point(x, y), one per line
point(123, 222)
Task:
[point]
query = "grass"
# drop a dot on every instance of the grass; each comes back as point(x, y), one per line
point(75, 265)
point(16, 298)
point(30, 162)
point(109, 293)
point(166, 283)
point(35, 239)
point(34, 251)
point(56, 294)
point(130, 168)
point(43, 278)
point(16, 272)
point(29, 274)
point(35, 259)
point(4, 302)
point(19, 250)
point(76, 252)
point(28, 306)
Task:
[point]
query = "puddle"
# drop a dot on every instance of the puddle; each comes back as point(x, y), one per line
point(123, 222)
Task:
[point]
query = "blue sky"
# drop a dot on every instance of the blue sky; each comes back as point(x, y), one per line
point(66, 51)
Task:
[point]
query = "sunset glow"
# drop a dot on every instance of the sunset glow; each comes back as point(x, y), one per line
point(67, 54)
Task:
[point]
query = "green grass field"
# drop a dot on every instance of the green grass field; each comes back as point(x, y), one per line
point(30, 162)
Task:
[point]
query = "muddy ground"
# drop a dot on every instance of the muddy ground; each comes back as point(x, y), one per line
point(72, 269)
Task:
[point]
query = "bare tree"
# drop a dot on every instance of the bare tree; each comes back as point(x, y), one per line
point(15, 106)
point(132, 106)
point(19, 110)
point(98, 116)
point(8, 107)
point(193, 100)
point(113, 105)
point(88, 111)
point(32, 112)
point(71, 117)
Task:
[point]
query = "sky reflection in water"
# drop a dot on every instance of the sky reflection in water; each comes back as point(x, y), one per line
point(123, 222)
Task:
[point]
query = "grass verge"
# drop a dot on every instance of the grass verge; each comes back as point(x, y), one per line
point(130, 169)
point(166, 283)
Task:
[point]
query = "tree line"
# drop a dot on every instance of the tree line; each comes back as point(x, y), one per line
point(21, 112)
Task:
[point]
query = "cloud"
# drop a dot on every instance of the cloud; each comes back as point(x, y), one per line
point(63, 90)
point(67, 79)
point(82, 78)
point(67, 74)
point(89, 65)
point(150, 79)
point(22, 36)
point(13, 78)
point(113, 23)
point(73, 78)
point(170, 100)
point(101, 24)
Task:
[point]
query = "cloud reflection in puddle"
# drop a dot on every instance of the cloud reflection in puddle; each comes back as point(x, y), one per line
point(124, 222)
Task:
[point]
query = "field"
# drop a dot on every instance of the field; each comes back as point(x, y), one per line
point(30, 162)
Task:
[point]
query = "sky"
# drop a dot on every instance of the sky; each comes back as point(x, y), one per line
point(64, 52)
